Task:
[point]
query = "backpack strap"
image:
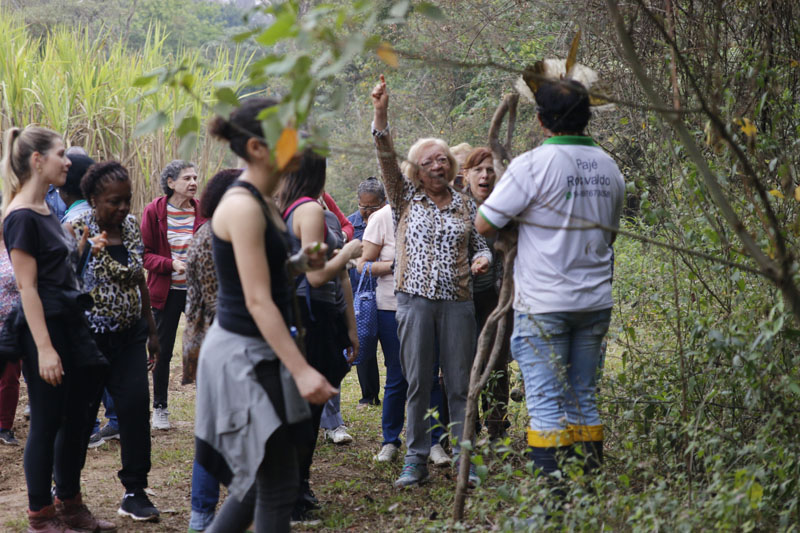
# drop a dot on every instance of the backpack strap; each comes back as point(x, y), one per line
point(297, 203)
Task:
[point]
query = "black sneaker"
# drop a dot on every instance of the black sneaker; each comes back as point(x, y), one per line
point(108, 432)
point(308, 499)
point(7, 437)
point(304, 517)
point(138, 506)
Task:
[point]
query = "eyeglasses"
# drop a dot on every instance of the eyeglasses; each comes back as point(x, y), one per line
point(369, 208)
point(442, 160)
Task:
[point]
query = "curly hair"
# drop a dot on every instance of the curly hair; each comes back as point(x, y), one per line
point(99, 174)
point(372, 185)
point(410, 166)
point(215, 188)
point(171, 173)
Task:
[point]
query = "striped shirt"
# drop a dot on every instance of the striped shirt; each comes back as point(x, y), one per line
point(180, 225)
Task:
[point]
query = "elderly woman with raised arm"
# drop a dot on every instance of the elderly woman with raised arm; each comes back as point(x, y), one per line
point(437, 247)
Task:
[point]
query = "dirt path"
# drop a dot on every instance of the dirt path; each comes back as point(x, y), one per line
point(357, 493)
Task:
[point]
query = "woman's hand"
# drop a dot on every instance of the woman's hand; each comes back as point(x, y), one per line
point(98, 242)
point(153, 349)
point(50, 368)
point(317, 254)
point(313, 386)
point(380, 101)
point(352, 351)
point(353, 249)
point(178, 266)
point(480, 266)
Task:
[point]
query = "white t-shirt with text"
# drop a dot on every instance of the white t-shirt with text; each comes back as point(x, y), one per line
point(561, 190)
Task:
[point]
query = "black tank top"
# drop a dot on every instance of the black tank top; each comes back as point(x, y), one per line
point(232, 313)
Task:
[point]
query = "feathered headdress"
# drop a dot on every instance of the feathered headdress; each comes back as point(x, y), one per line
point(559, 69)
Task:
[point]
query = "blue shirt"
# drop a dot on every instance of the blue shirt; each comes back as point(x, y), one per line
point(359, 225)
point(55, 202)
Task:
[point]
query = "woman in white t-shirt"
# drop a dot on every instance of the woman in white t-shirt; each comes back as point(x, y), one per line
point(379, 250)
point(568, 194)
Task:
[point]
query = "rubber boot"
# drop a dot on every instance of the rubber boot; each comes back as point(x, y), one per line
point(46, 521)
point(76, 515)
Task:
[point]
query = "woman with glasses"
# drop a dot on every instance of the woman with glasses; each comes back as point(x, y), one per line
point(437, 248)
point(371, 197)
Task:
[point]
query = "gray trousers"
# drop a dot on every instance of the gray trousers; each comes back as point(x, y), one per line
point(420, 323)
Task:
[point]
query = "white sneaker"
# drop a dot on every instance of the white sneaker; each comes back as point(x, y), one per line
point(161, 418)
point(438, 456)
point(338, 435)
point(387, 454)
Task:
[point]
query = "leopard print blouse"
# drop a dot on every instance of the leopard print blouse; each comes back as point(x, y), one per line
point(201, 298)
point(435, 247)
point(114, 287)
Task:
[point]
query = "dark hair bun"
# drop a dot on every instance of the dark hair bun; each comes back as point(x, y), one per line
point(220, 128)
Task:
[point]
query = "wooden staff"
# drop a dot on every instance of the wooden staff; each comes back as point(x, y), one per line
point(490, 341)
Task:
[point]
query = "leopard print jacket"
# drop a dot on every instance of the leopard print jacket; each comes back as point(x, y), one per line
point(114, 287)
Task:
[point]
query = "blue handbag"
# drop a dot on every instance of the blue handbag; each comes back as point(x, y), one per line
point(366, 309)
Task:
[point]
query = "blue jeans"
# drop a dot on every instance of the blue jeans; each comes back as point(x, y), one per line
point(332, 413)
point(396, 387)
point(111, 414)
point(205, 495)
point(560, 355)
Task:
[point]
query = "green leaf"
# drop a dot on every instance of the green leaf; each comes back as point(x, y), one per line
point(756, 493)
point(188, 125)
point(429, 10)
point(143, 81)
point(399, 9)
point(227, 96)
point(187, 146)
point(150, 124)
point(283, 27)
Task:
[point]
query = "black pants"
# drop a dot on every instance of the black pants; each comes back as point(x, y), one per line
point(61, 421)
point(326, 338)
point(127, 383)
point(167, 323)
point(494, 398)
point(369, 379)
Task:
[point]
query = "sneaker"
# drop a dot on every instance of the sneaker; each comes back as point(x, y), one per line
point(27, 412)
point(387, 454)
point(104, 434)
point(338, 435)
point(95, 441)
point(161, 418)
point(308, 500)
point(303, 517)
point(413, 474)
point(108, 432)
point(7, 437)
point(438, 456)
point(138, 506)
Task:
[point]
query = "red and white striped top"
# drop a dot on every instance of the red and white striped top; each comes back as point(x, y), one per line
point(180, 227)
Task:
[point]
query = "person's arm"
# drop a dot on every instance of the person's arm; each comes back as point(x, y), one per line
point(309, 221)
point(153, 262)
point(370, 253)
point(483, 226)
point(152, 337)
point(394, 181)
point(482, 256)
point(347, 226)
point(25, 270)
point(350, 316)
point(240, 219)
